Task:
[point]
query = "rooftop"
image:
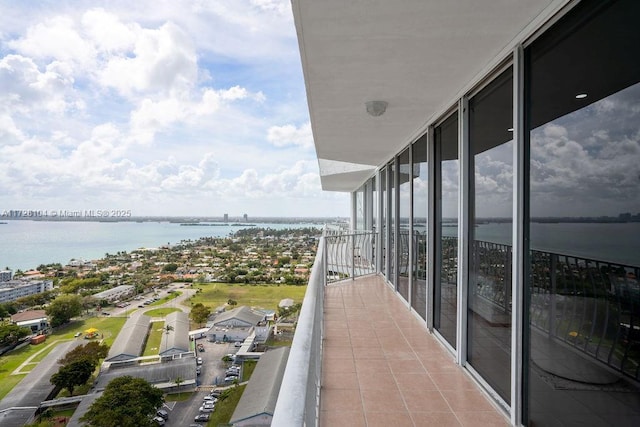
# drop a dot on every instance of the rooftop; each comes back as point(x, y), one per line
point(28, 315)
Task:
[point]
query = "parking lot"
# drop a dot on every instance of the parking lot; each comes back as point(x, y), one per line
point(212, 373)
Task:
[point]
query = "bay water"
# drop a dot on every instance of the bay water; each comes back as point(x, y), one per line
point(26, 244)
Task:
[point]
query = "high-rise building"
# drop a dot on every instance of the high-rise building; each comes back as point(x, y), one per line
point(489, 148)
point(245, 217)
point(226, 217)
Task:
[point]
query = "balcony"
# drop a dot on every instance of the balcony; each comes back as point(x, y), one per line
point(361, 358)
point(381, 367)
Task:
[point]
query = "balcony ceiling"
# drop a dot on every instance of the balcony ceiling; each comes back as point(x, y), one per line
point(417, 55)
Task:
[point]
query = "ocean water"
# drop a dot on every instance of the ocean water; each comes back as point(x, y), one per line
point(611, 242)
point(27, 244)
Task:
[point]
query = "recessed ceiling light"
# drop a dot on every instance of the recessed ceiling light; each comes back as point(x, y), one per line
point(510, 130)
point(581, 96)
point(376, 108)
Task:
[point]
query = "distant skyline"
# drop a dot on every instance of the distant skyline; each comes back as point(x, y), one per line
point(163, 108)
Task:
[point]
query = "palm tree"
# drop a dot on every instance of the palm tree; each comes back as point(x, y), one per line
point(178, 381)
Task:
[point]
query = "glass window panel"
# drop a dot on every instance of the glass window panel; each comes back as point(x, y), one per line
point(583, 100)
point(391, 276)
point(360, 209)
point(490, 222)
point(404, 212)
point(374, 217)
point(420, 208)
point(383, 222)
point(446, 266)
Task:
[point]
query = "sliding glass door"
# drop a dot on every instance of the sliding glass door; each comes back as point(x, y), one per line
point(446, 256)
point(583, 131)
point(490, 223)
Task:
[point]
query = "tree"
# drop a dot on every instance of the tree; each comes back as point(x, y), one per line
point(171, 267)
point(36, 299)
point(10, 334)
point(199, 313)
point(9, 307)
point(63, 308)
point(126, 401)
point(72, 375)
point(92, 351)
point(178, 381)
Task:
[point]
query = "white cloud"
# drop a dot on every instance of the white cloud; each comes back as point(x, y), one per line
point(108, 33)
point(282, 136)
point(162, 61)
point(56, 38)
point(28, 90)
point(158, 106)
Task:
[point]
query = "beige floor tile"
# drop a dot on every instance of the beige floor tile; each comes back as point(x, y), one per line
point(414, 381)
point(425, 400)
point(342, 418)
point(340, 399)
point(435, 419)
point(467, 400)
point(376, 400)
point(390, 371)
point(482, 419)
point(388, 419)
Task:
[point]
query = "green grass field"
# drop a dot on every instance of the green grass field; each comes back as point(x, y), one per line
point(160, 312)
point(266, 296)
point(107, 326)
point(155, 338)
point(167, 298)
point(224, 409)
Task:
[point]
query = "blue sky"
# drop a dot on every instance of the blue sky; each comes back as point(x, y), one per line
point(158, 107)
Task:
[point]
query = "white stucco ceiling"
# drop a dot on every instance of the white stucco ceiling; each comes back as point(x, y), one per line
point(418, 55)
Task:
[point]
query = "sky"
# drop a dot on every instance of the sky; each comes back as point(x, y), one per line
point(156, 107)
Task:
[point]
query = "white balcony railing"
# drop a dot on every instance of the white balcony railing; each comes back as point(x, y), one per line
point(340, 255)
point(299, 398)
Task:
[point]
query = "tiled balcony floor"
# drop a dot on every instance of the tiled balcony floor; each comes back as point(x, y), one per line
point(381, 367)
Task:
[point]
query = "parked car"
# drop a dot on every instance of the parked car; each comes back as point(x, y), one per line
point(159, 420)
point(237, 344)
point(77, 334)
point(199, 360)
point(162, 413)
point(202, 417)
point(206, 409)
point(210, 398)
point(229, 379)
point(198, 370)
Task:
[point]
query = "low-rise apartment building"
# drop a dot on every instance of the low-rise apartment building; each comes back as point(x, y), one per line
point(13, 289)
